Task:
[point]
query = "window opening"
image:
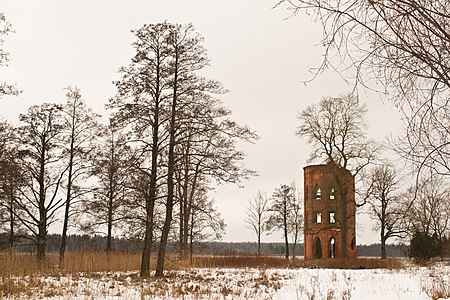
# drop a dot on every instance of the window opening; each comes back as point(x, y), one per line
point(318, 218)
point(332, 248)
point(332, 194)
point(317, 248)
point(318, 194)
point(332, 217)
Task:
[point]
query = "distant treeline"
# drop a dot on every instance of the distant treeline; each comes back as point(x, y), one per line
point(97, 242)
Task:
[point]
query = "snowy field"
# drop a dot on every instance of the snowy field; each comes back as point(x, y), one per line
point(408, 283)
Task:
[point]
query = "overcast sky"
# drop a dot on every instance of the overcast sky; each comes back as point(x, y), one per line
point(258, 53)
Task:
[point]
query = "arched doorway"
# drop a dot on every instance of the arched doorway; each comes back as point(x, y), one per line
point(332, 248)
point(317, 248)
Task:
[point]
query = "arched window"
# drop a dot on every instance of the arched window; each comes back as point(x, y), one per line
point(332, 248)
point(317, 248)
point(318, 194)
point(332, 194)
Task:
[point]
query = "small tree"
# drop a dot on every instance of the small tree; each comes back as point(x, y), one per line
point(280, 210)
point(426, 207)
point(257, 216)
point(295, 220)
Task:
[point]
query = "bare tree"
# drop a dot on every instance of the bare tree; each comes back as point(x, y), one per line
point(111, 165)
point(384, 203)
point(207, 154)
point(280, 210)
point(39, 136)
point(11, 180)
point(295, 220)
point(336, 130)
point(157, 101)
point(426, 207)
point(5, 29)
point(205, 221)
point(140, 104)
point(80, 124)
point(404, 45)
point(257, 216)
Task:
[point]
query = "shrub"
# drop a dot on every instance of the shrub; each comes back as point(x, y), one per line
point(423, 246)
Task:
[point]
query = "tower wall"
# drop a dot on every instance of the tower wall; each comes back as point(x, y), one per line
point(324, 189)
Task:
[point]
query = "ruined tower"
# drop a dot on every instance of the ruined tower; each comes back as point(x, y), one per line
point(329, 191)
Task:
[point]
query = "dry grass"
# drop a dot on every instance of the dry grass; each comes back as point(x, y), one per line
point(354, 263)
point(87, 262)
point(22, 264)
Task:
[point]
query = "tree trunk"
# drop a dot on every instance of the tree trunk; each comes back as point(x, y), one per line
point(41, 239)
point(150, 199)
point(62, 248)
point(110, 222)
point(259, 244)
point(170, 182)
point(286, 241)
point(11, 215)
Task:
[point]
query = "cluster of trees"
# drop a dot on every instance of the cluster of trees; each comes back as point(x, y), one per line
point(281, 212)
point(147, 173)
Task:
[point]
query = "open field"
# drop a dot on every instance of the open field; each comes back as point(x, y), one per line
point(95, 275)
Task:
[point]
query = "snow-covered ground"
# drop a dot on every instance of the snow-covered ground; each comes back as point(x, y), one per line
point(409, 283)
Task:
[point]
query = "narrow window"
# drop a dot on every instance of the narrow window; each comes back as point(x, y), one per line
point(318, 218)
point(332, 217)
point(332, 248)
point(352, 244)
point(306, 193)
point(332, 194)
point(318, 194)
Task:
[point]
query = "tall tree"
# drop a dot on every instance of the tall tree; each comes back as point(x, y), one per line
point(142, 91)
point(384, 204)
point(156, 98)
point(336, 130)
point(257, 216)
point(80, 124)
point(39, 137)
point(404, 45)
point(187, 56)
point(5, 29)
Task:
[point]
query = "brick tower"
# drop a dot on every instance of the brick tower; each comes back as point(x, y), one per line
point(324, 186)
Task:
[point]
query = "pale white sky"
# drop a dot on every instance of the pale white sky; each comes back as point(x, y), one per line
point(258, 54)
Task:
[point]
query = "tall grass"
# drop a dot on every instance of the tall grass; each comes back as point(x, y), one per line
point(21, 264)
